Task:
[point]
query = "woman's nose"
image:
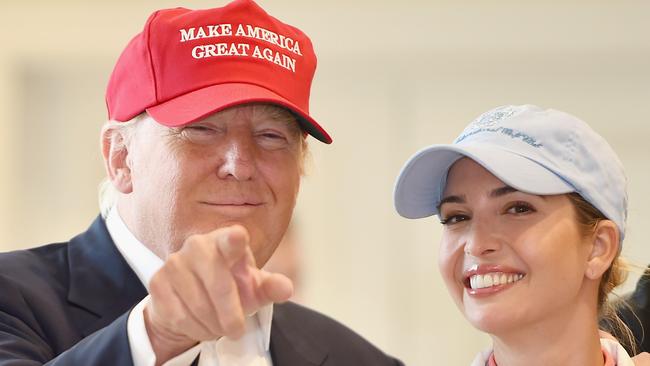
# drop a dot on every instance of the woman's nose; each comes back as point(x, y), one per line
point(482, 239)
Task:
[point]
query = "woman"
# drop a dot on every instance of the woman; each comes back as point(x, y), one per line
point(533, 204)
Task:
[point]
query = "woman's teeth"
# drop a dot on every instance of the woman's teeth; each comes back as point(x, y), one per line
point(493, 279)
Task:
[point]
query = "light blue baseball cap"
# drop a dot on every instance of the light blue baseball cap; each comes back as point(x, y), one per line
point(534, 150)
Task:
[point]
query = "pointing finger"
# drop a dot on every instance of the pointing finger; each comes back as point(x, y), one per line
point(232, 243)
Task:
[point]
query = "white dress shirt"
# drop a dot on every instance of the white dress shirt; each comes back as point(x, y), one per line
point(252, 349)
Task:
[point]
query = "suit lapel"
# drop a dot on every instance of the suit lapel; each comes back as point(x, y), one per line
point(291, 347)
point(103, 284)
point(100, 279)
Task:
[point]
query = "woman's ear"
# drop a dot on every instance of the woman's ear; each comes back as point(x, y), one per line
point(116, 155)
point(605, 247)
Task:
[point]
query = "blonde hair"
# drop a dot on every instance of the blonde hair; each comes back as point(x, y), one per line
point(588, 218)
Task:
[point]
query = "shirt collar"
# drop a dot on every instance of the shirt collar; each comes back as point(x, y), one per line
point(264, 319)
point(140, 258)
point(145, 264)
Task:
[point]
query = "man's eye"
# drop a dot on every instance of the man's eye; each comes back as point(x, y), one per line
point(272, 140)
point(199, 134)
point(453, 219)
point(198, 129)
point(274, 136)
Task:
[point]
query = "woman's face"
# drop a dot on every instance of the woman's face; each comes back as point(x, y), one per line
point(509, 259)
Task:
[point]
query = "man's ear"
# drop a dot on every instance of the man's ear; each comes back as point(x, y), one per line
point(116, 162)
point(605, 247)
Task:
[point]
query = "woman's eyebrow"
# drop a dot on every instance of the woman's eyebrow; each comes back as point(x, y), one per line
point(502, 191)
point(451, 199)
point(499, 192)
point(495, 193)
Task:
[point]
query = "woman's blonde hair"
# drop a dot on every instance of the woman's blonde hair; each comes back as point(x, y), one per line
point(588, 217)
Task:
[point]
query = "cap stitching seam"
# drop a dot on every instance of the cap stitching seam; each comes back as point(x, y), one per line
point(153, 73)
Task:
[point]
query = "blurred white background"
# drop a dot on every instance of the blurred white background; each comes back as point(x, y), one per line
point(393, 76)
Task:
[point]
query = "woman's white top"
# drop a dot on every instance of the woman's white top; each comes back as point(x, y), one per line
point(617, 353)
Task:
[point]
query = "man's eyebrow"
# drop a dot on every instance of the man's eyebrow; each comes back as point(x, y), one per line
point(451, 199)
point(291, 123)
point(286, 118)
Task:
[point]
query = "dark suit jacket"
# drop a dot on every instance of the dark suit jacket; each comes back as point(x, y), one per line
point(67, 304)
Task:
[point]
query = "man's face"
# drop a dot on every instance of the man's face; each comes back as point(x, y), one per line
point(238, 166)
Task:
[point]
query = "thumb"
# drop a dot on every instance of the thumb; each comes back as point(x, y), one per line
point(275, 287)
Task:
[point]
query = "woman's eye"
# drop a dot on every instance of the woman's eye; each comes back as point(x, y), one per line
point(453, 219)
point(519, 208)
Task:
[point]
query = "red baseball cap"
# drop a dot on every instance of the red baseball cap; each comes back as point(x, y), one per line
point(187, 64)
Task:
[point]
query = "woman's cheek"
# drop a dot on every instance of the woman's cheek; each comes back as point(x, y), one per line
point(448, 263)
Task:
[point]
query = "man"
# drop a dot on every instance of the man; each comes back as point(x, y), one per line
point(208, 115)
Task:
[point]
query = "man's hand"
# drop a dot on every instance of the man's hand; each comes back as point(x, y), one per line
point(205, 290)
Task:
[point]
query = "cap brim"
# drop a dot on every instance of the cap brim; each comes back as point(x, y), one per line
point(198, 104)
point(420, 184)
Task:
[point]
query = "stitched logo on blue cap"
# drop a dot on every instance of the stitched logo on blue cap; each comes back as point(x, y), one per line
point(487, 122)
point(489, 119)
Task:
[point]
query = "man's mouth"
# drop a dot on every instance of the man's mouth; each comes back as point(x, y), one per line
point(234, 202)
point(233, 208)
point(479, 281)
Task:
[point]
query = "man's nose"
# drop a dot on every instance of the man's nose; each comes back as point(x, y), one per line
point(483, 239)
point(238, 159)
